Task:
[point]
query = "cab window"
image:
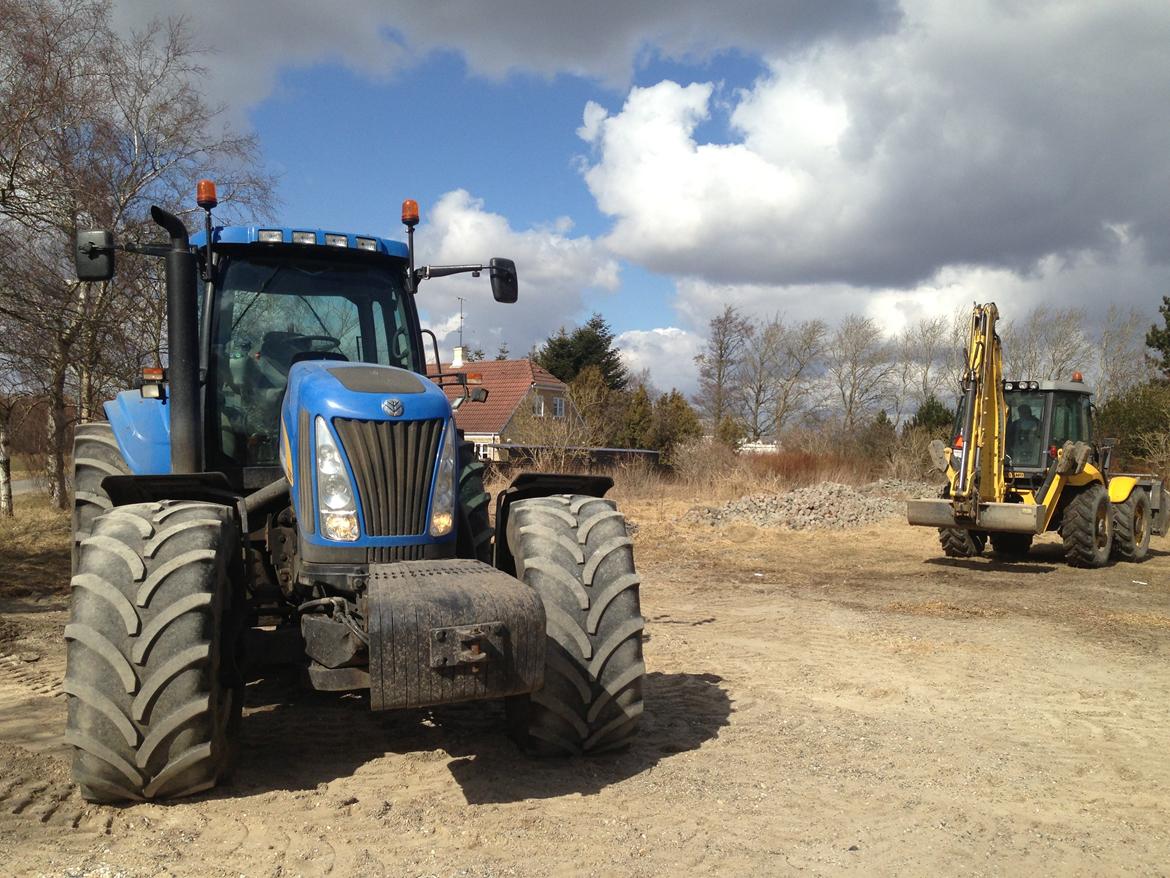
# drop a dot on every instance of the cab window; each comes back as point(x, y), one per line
point(1024, 441)
point(1070, 422)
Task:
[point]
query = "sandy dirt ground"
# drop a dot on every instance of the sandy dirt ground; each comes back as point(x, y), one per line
point(817, 703)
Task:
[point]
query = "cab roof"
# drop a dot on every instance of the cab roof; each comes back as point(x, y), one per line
point(251, 235)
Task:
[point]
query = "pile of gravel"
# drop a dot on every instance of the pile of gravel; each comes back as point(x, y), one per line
point(827, 505)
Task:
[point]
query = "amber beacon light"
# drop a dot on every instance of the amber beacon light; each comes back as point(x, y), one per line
point(205, 194)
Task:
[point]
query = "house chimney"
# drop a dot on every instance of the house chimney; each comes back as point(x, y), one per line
point(457, 357)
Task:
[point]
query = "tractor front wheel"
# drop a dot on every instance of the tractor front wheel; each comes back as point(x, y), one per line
point(154, 692)
point(1087, 527)
point(1131, 527)
point(575, 552)
point(1009, 545)
point(95, 455)
point(474, 537)
point(959, 543)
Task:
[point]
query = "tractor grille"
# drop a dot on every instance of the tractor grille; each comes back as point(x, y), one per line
point(393, 463)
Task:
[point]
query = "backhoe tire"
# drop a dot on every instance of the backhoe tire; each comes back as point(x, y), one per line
point(959, 543)
point(474, 538)
point(154, 695)
point(95, 456)
point(1007, 545)
point(575, 552)
point(1087, 527)
point(1131, 527)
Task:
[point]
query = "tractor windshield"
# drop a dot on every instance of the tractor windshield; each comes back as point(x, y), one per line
point(273, 312)
point(1025, 436)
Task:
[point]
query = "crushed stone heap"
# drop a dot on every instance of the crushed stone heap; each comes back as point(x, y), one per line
point(827, 505)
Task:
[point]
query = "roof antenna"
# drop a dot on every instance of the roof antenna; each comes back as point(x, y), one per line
point(460, 298)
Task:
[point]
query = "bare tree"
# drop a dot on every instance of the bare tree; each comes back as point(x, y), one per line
point(755, 379)
point(858, 366)
point(728, 335)
point(801, 351)
point(1121, 357)
point(94, 128)
point(1046, 343)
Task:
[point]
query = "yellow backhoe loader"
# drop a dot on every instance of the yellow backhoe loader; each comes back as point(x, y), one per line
point(1023, 460)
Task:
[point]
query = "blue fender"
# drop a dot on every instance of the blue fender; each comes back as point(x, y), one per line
point(142, 428)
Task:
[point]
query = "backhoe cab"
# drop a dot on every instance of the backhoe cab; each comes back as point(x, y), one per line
point(1024, 460)
point(292, 487)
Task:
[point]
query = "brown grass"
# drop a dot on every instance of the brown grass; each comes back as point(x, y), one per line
point(34, 548)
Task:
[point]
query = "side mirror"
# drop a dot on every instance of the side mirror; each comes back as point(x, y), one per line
point(503, 275)
point(94, 256)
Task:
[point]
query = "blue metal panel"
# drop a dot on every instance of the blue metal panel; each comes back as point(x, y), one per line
point(251, 235)
point(143, 430)
point(312, 387)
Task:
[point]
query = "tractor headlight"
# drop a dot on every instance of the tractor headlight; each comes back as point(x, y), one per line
point(334, 494)
point(443, 503)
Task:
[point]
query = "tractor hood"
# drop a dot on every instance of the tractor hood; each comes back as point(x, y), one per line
point(359, 390)
point(389, 426)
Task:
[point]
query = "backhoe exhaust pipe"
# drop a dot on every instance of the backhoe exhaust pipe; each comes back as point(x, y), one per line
point(182, 347)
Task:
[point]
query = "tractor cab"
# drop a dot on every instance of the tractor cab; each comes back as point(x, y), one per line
point(1041, 417)
point(271, 303)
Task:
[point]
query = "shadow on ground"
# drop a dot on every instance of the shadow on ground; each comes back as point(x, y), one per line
point(295, 739)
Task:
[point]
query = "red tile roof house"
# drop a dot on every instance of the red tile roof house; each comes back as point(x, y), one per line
point(511, 385)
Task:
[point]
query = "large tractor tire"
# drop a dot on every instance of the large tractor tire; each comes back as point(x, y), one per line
point(154, 691)
point(575, 552)
point(959, 543)
point(1087, 527)
point(1131, 527)
point(95, 456)
point(1008, 545)
point(474, 538)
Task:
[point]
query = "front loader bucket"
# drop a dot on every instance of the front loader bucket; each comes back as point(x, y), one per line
point(1021, 518)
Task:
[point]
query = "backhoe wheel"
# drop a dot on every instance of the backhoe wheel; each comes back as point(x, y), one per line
point(154, 693)
point(1131, 527)
point(1087, 527)
point(95, 456)
point(959, 543)
point(575, 552)
point(474, 537)
point(1011, 545)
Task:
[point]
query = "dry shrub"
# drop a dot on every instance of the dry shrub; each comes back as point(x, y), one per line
point(796, 468)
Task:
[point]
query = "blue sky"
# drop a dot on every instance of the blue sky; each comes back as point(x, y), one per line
point(656, 161)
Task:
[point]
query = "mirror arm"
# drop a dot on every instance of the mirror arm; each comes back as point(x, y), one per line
point(429, 271)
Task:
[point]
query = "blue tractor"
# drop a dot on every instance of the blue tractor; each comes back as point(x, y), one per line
point(292, 487)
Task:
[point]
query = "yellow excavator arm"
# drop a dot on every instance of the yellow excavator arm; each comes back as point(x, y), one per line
point(978, 455)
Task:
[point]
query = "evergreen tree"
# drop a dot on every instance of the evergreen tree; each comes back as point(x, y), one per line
point(674, 423)
point(566, 354)
point(933, 417)
point(638, 424)
point(1158, 338)
point(503, 353)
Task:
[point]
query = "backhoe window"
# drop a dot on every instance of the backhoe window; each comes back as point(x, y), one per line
point(1025, 440)
point(1070, 421)
point(272, 314)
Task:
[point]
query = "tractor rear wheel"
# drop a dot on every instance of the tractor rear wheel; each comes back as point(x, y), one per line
point(959, 543)
point(575, 552)
point(95, 456)
point(1131, 527)
point(1087, 527)
point(474, 538)
point(1008, 545)
point(154, 692)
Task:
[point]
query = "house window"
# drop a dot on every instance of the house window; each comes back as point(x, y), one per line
point(538, 405)
point(558, 407)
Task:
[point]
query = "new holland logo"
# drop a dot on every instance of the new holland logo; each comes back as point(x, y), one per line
point(392, 407)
